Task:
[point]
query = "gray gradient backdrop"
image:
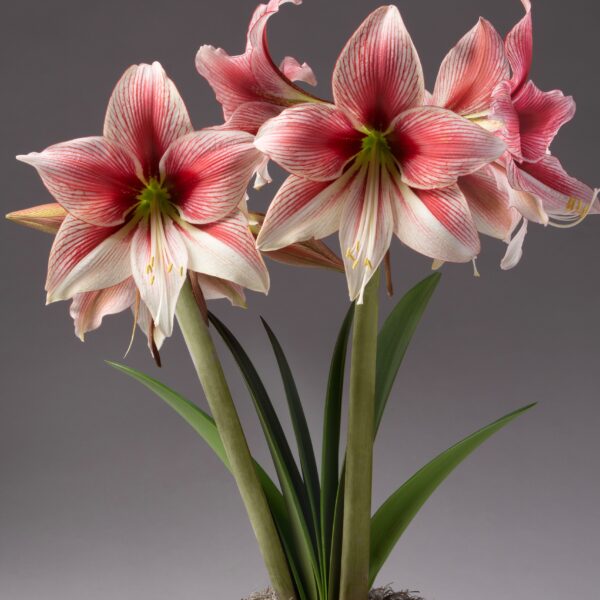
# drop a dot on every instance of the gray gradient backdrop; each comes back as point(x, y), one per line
point(104, 493)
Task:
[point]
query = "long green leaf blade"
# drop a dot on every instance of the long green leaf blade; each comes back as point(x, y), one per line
point(396, 513)
point(395, 336)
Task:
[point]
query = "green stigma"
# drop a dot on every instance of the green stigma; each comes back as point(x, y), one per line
point(154, 196)
point(375, 146)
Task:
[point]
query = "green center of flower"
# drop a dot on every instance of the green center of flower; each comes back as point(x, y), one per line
point(154, 197)
point(375, 147)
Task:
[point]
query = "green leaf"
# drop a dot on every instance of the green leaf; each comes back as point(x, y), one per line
point(330, 467)
point(395, 336)
point(393, 517)
point(302, 544)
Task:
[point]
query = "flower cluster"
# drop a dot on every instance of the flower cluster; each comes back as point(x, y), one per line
point(151, 201)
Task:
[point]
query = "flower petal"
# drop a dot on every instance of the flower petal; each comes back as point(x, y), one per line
point(250, 116)
point(489, 205)
point(304, 209)
point(311, 140)
point(89, 308)
point(435, 223)
point(541, 115)
point(214, 288)
point(146, 114)
point(514, 252)
point(85, 258)
point(471, 71)
point(378, 74)
point(434, 146)
point(208, 172)
point(519, 48)
point(146, 323)
point(295, 71)
point(504, 111)
point(159, 262)
point(44, 217)
point(92, 178)
point(226, 249)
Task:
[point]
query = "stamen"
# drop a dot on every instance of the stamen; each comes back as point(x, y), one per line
point(181, 271)
point(355, 263)
point(577, 206)
point(475, 271)
point(148, 269)
point(367, 263)
point(350, 255)
point(170, 268)
point(152, 280)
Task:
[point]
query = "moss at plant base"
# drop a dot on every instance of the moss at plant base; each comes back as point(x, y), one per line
point(378, 594)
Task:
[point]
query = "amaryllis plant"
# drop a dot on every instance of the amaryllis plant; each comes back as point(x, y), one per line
point(153, 216)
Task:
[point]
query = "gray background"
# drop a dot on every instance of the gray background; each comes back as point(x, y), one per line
point(104, 493)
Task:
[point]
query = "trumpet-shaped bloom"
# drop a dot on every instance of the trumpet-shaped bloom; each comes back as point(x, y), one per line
point(144, 204)
point(250, 86)
point(376, 162)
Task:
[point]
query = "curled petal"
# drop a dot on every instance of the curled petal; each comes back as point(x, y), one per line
point(434, 147)
point(311, 140)
point(514, 252)
point(146, 114)
point(45, 217)
point(89, 308)
point(295, 71)
point(541, 115)
point(519, 48)
point(471, 71)
point(226, 249)
point(378, 74)
point(209, 172)
point(92, 178)
point(489, 204)
point(214, 288)
point(504, 111)
point(435, 223)
point(85, 258)
point(250, 116)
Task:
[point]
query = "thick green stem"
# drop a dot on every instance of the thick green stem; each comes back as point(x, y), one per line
point(354, 584)
point(211, 376)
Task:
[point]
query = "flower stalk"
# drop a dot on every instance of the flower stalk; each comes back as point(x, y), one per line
point(354, 583)
point(211, 376)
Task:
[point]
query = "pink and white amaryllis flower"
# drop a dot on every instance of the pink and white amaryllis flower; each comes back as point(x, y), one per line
point(250, 86)
point(145, 203)
point(376, 162)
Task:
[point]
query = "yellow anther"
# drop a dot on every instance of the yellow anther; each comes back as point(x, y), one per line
point(152, 262)
point(170, 268)
point(181, 271)
point(571, 203)
point(148, 268)
point(349, 254)
point(368, 263)
point(152, 280)
point(355, 263)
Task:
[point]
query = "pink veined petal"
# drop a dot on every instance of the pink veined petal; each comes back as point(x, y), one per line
point(252, 76)
point(207, 172)
point(489, 204)
point(434, 147)
point(250, 116)
point(519, 48)
point(215, 288)
point(378, 74)
point(295, 71)
point(89, 308)
point(146, 323)
point(159, 263)
point(226, 249)
point(541, 115)
point(44, 217)
point(503, 110)
point(146, 114)
point(560, 194)
point(92, 178)
point(310, 140)
point(435, 223)
point(304, 209)
point(85, 258)
point(366, 227)
point(514, 252)
point(471, 71)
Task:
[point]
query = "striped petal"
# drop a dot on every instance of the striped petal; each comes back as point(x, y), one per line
point(504, 111)
point(435, 223)
point(92, 178)
point(215, 288)
point(489, 204)
point(304, 209)
point(471, 71)
point(434, 147)
point(311, 140)
point(159, 262)
point(519, 48)
point(85, 258)
point(208, 172)
point(250, 116)
point(89, 308)
point(378, 74)
point(45, 217)
point(226, 249)
point(146, 114)
point(541, 115)
point(155, 335)
point(253, 76)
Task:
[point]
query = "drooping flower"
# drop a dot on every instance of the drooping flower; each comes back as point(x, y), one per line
point(144, 204)
point(250, 86)
point(376, 162)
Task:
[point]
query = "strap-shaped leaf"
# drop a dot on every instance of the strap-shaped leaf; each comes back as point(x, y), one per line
point(396, 513)
point(395, 336)
point(304, 546)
